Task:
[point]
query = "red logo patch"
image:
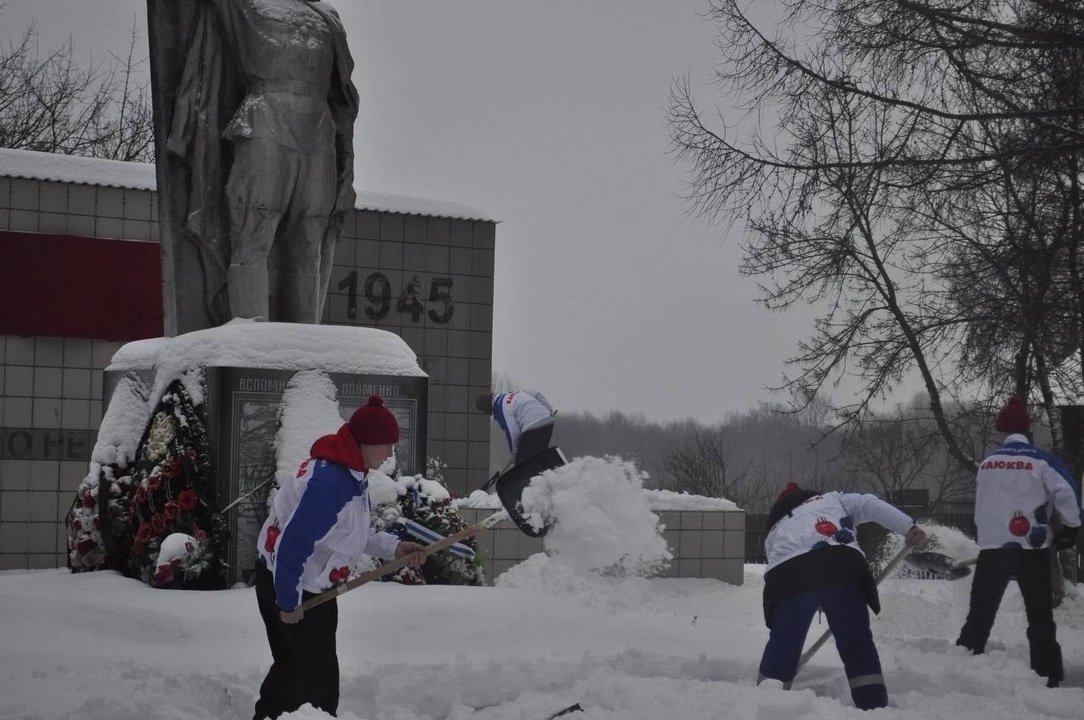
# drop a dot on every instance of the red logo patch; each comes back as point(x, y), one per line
point(273, 533)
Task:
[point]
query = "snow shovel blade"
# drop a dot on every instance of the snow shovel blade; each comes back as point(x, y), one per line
point(937, 564)
point(512, 483)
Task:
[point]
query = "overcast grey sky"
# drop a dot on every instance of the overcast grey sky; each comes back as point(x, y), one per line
point(547, 116)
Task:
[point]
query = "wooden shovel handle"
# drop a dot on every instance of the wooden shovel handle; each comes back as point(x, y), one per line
point(808, 654)
point(395, 565)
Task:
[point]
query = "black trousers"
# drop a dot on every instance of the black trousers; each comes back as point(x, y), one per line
point(305, 667)
point(1031, 568)
point(533, 442)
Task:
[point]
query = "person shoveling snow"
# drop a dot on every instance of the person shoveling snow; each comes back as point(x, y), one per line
point(814, 563)
point(318, 527)
point(525, 416)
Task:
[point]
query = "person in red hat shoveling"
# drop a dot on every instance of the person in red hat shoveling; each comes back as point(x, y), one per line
point(1018, 488)
point(318, 528)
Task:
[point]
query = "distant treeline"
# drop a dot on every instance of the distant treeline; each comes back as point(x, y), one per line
point(750, 456)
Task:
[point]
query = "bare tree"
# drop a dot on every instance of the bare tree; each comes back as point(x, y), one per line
point(48, 103)
point(702, 465)
point(891, 116)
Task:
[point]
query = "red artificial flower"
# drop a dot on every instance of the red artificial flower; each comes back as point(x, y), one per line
point(163, 575)
point(85, 546)
point(144, 534)
point(187, 500)
point(154, 481)
point(158, 523)
point(171, 468)
point(88, 501)
point(171, 510)
point(77, 525)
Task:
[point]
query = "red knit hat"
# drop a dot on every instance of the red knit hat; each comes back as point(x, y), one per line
point(790, 487)
point(1013, 418)
point(374, 424)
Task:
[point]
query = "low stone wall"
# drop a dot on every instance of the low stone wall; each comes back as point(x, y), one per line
point(705, 543)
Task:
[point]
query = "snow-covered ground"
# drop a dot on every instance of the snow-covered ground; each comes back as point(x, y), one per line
point(98, 645)
point(553, 633)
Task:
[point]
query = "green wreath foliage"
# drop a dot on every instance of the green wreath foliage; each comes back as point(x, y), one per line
point(428, 502)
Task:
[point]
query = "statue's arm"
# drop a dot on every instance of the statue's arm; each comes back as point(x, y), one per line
point(344, 101)
point(344, 151)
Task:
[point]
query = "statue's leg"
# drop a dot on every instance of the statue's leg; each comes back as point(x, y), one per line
point(301, 282)
point(257, 193)
point(299, 278)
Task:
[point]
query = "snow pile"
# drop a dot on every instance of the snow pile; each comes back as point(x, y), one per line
point(600, 515)
point(385, 489)
point(176, 546)
point(309, 410)
point(480, 500)
point(657, 500)
point(271, 345)
point(669, 500)
point(340, 348)
point(122, 426)
point(138, 354)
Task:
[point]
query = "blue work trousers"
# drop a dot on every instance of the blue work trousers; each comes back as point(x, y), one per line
point(844, 606)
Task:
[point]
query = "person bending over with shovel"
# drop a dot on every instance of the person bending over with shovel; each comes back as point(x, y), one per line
point(814, 562)
point(526, 417)
point(1017, 488)
point(316, 531)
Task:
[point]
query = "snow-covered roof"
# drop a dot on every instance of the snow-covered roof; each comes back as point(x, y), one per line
point(31, 165)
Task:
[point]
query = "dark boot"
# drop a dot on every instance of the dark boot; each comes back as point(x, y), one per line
point(1045, 654)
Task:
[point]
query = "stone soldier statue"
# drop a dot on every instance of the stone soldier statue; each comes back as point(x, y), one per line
point(254, 116)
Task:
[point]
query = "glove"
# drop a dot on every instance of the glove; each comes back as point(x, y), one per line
point(915, 536)
point(291, 617)
point(1066, 538)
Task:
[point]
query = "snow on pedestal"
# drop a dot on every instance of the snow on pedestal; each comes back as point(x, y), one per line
point(236, 375)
